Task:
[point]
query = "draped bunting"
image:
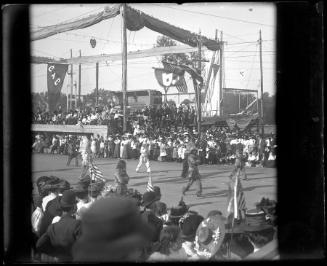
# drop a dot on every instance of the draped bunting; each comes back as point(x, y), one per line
point(136, 20)
point(241, 121)
point(48, 31)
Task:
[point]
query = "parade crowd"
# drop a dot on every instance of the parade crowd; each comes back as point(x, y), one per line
point(216, 146)
point(99, 221)
point(168, 129)
point(102, 219)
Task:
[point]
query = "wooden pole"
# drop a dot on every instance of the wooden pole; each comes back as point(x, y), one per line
point(97, 83)
point(124, 64)
point(71, 81)
point(199, 86)
point(79, 80)
point(261, 83)
point(220, 93)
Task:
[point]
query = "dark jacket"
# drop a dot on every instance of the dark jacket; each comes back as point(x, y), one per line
point(52, 210)
point(58, 240)
point(193, 162)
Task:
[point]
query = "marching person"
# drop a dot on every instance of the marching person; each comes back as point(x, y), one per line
point(144, 157)
point(85, 150)
point(189, 146)
point(121, 177)
point(72, 151)
point(239, 165)
point(193, 172)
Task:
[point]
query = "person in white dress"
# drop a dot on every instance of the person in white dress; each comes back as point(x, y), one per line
point(144, 157)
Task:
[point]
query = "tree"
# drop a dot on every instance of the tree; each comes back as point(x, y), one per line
point(105, 97)
point(182, 58)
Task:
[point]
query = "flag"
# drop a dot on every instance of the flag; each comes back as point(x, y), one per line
point(167, 78)
point(149, 186)
point(96, 174)
point(236, 199)
point(178, 68)
point(56, 74)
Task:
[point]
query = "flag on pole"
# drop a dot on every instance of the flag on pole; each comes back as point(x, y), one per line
point(181, 68)
point(149, 186)
point(236, 199)
point(96, 174)
point(167, 78)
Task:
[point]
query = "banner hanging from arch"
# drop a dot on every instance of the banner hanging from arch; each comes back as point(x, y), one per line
point(56, 74)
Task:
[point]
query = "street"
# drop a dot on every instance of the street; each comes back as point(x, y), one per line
point(166, 175)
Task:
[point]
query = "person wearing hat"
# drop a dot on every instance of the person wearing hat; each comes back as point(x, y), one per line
point(194, 175)
point(189, 224)
point(170, 246)
point(149, 197)
point(59, 238)
point(189, 147)
point(85, 150)
point(176, 213)
point(144, 157)
point(112, 230)
point(72, 151)
point(117, 147)
point(83, 199)
point(50, 203)
point(209, 236)
point(239, 165)
point(257, 229)
point(121, 177)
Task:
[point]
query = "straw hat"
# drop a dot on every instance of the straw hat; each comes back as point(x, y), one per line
point(209, 236)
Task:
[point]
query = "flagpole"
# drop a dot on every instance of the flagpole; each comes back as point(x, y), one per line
point(124, 63)
point(233, 221)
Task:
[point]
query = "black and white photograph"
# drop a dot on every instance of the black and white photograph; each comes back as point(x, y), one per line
point(153, 134)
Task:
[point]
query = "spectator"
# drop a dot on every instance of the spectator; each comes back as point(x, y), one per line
point(170, 246)
point(112, 230)
point(60, 237)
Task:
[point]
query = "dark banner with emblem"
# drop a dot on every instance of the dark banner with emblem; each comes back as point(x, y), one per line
point(56, 74)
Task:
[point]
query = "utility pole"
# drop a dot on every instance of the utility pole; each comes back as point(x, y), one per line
point(96, 83)
point(71, 80)
point(261, 83)
point(199, 86)
point(220, 93)
point(124, 63)
point(79, 80)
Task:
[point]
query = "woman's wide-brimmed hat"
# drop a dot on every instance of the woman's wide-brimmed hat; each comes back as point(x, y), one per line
point(209, 236)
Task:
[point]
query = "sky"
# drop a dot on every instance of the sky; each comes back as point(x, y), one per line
point(239, 23)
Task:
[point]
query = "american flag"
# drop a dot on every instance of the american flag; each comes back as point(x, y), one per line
point(236, 199)
point(96, 174)
point(176, 69)
point(149, 186)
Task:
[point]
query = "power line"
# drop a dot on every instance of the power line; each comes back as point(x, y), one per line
point(212, 15)
point(240, 43)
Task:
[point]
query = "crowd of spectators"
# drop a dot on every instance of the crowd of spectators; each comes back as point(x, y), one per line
point(216, 146)
point(150, 117)
point(94, 221)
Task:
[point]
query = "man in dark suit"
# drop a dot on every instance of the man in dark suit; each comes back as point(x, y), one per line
point(72, 151)
point(59, 238)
